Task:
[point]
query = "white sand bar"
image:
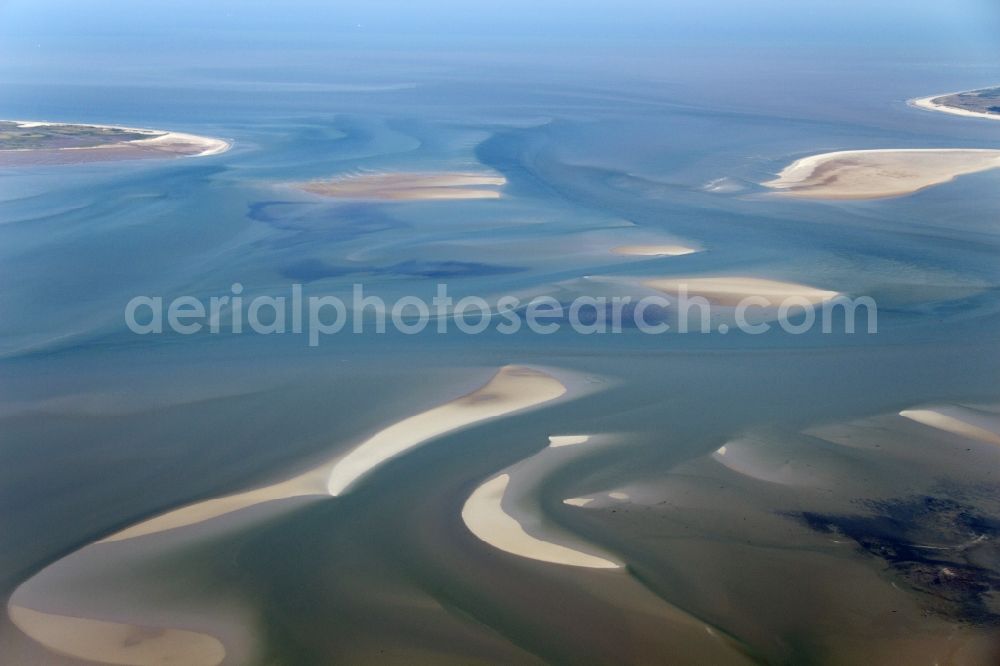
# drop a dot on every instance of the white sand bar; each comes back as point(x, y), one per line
point(512, 389)
point(485, 517)
point(408, 186)
point(653, 250)
point(116, 643)
point(958, 421)
point(556, 441)
point(876, 174)
point(733, 290)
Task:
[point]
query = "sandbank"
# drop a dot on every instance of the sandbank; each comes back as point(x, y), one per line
point(485, 517)
point(117, 643)
point(958, 421)
point(728, 291)
point(512, 388)
point(877, 174)
point(491, 511)
point(408, 186)
point(653, 250)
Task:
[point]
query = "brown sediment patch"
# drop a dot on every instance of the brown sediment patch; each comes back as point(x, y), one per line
point(408, 186)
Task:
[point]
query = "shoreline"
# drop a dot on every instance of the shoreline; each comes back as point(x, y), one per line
point(931, 104)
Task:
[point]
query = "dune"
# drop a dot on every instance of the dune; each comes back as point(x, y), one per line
point(936, 103)
point(729, 291)
point(876, 174)
point(513, 388)
point(485, 517)
point(117, 643)
point(408, 186)
point(653, 250)
point(958, 421)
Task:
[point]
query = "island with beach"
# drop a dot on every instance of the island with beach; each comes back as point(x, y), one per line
point(29, 143)
point(982, 103)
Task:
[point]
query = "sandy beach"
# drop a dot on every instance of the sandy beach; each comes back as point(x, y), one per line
point(934, 103)
point(408, 186)
point(878, 174)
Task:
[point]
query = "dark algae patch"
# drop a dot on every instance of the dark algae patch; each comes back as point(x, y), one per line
point(943, 548)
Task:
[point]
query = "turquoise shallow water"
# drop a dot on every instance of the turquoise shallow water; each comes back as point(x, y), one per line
point(601, 146)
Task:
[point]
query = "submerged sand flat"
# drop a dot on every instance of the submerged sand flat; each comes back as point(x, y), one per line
point(728, 291)
point(408, 186)
point(653, 250)
point(513, 388)
point(876, 174)
point(70, 143)
point(958, 421)
point(117, 643)
point(485, 516)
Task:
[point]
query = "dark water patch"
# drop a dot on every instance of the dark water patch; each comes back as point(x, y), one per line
point(317, 223)
point(945, 548)
point(310, 270)
point(449, 269)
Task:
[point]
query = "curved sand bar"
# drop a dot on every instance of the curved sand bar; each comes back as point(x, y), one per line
point(877, 174)
point(513, 388)
point(100, 143)
point(117, 643)
point(958, 421)
point(730, 291)
point(408, 186)
point(485, 516)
